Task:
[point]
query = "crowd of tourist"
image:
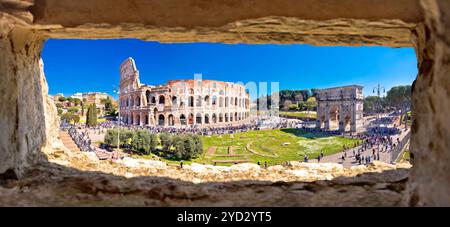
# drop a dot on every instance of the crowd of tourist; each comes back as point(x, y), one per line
point(375, 140)
point(383, 130)
point(270, 122)
point(379, 138)
point(81, 139)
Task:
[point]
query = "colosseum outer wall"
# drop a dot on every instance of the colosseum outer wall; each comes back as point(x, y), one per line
point(181, 102)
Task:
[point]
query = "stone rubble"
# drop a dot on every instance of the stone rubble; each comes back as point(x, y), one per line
point(80, 179)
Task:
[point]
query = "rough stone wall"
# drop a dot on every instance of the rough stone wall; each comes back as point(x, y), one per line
point(26, 128)
point(27, 116)
point(51, 119)
point(430, 142)
point(54, 185)
point(213, 13)
point(317, 22)
point(22, 92)
point(80, 179)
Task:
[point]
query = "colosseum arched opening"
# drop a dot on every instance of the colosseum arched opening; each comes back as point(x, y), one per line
point(29, 135)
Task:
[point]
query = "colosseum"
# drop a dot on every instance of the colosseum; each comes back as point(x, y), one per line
point(180, 102)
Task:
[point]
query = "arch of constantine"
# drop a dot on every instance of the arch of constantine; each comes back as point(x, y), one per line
point(180, 102)
point(343, 105)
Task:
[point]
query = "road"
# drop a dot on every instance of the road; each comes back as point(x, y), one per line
point(385, 156)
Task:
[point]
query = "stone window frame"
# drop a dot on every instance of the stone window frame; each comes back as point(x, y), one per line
point(425, 29)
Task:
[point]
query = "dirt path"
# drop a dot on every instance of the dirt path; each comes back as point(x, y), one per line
point(211, 151)
point(231, 150)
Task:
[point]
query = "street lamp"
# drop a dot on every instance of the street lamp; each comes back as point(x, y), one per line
point(406, 104)
point(119, 119)
point(379, 90)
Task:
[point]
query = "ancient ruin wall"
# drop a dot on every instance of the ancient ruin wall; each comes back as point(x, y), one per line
point(317, 22)
point(430, 142)
point(23, 93)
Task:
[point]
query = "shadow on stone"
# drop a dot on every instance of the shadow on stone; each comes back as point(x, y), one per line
point(50, 184)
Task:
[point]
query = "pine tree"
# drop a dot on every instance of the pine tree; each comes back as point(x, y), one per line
point(91, 116)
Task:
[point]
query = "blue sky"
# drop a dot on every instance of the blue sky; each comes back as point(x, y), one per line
point(93, 65)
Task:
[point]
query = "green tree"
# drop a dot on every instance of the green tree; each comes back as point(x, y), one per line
point(198, 145)
point(70, 99)
point(398, 96)
point(73, 110)
point(294, 96)
point(179, 147)
point(110, 137)
point(125, 135)
point(76, 101)
point(84, 106)
point(311, 103)
point(293, 107)
point(298, 98)
point(70, 117)
point(60, 111)
point(314, 92)
point(91, 118)
point(373, 104)
point(166, 141)
point(110, 106)
point(187, 146)
point(62, 99)
point(286, 104)
point(153, 141)
point(301, 105)
point(142, 141)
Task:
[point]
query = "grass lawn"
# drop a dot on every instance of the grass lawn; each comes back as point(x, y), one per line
point(404, 157)
point(277, 145)
point(272, 146)
point(300, 114)
point(409, 122)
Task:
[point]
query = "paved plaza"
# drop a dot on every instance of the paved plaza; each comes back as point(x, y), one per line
point(386, 156)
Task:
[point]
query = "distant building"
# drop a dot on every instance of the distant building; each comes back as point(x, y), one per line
point(57, 96)
point(89, 98)
point(78, 96)
point(86, 98)
point(95, 97)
